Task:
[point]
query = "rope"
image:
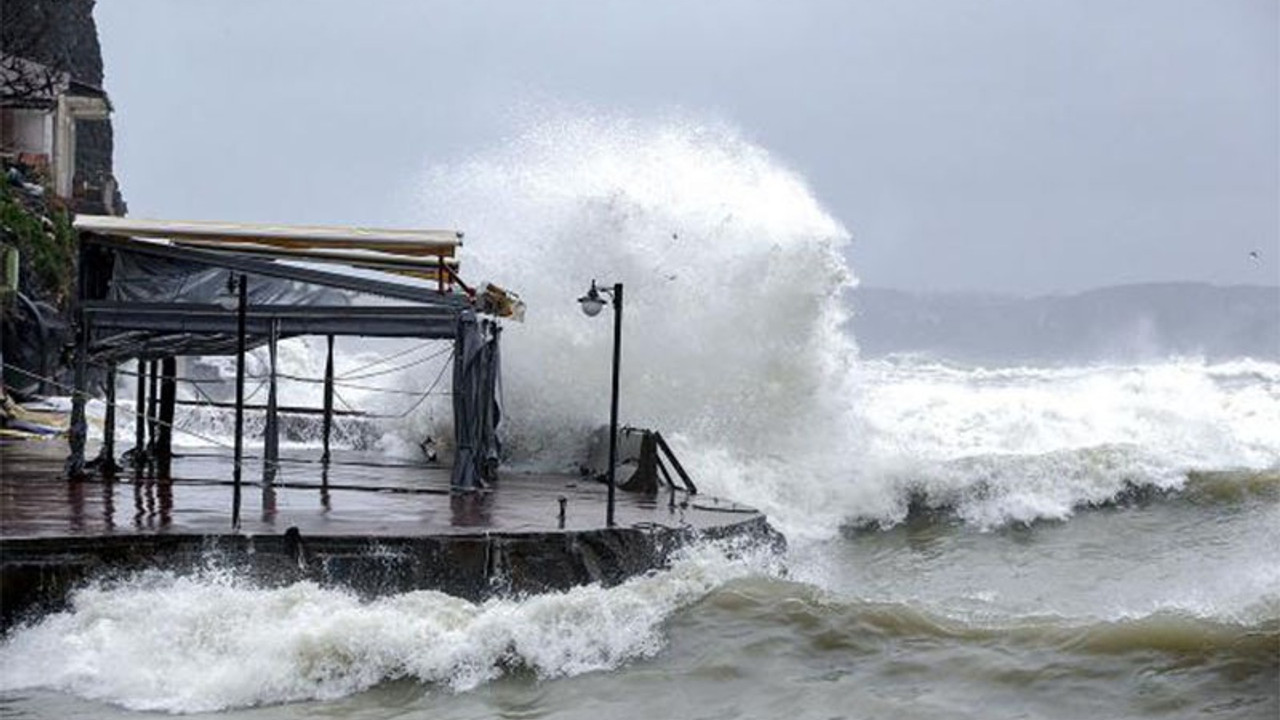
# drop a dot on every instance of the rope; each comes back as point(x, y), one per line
point(197, 382)
point(434, 383)
point(388, 391)
point(174, 426)
point(389, 358)
point(118, 406)
point(388, 371)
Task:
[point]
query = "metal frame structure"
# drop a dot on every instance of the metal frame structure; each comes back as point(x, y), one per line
point(114, 326)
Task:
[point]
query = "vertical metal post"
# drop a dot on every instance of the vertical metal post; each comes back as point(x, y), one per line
point(328, 402)
point(324, 488)
point(613, 404)
point(78, 428)
point(241, 311)
point(153, 405)
point(168, 399)
point(271, 433)
point(108, 454)
point(139, 417)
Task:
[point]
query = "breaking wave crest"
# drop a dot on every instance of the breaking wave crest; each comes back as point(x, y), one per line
point(1024, 444)
point(212, 641)
point(733, 274)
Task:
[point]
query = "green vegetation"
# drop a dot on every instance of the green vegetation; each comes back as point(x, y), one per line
point(46, 242)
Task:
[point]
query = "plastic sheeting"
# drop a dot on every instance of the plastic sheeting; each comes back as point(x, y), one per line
point(477, 402)
point(146, 279)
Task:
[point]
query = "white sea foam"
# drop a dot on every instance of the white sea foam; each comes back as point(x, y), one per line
point(733, 275)
point(208, 642)
point(1019, 444)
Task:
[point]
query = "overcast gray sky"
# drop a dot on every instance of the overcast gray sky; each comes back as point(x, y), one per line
point(1001, 145)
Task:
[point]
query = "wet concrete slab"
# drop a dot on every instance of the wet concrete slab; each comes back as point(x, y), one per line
point(369, 523)
point(357, 494)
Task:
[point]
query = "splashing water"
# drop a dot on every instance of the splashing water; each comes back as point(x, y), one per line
point(1023, 444)
point(212, 641)
point(733, 275)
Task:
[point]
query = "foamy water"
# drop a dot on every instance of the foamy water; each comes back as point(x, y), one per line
point(1022, 444)
point(211, 641)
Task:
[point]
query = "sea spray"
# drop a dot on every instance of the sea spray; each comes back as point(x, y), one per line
point(735, 346)
point(731, 337)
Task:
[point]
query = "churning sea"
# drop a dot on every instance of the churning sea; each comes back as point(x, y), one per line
point(1060, 541)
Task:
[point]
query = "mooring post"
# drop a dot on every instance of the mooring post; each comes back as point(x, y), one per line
point(241, 311)
point(271, 439)
point(140, 416)
point(168, 399)
point(328, 401)
point(107, 457)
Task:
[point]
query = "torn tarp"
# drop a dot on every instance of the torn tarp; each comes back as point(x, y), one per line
point(477, 402)
point(147, 279)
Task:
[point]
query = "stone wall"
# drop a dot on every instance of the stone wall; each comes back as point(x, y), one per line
point(63, 35)
point(58, 33)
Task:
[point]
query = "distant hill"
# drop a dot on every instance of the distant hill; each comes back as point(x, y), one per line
point(1121, 323)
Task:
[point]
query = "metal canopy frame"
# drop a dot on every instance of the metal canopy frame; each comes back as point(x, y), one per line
point(166, 329)
point(390, 321)
point(112, 330)
point(256, 266)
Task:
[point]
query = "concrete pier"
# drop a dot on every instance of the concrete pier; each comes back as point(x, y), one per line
point(377, 526)
point(374, 526)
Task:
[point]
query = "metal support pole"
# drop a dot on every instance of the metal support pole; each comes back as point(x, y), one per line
point(108, 453)
point(153, 405)
point(613, 404)
point(139, 417)
point(328, 401)
point(241, 311)
point(168, 399)
point(271, 433)
point(78, 430)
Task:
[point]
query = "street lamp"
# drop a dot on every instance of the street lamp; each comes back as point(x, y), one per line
point(592, 303)
point(237, 296)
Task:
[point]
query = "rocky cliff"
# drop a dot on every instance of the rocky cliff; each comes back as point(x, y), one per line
point(61, 35)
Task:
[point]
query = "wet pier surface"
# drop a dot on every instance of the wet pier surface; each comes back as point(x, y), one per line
point(358, 494)
point(367, 523)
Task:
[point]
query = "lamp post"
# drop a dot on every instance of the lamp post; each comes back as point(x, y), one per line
point(592, 304)
point(238, 296)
